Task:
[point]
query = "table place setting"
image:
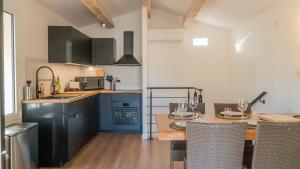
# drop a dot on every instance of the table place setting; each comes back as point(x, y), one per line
point(181, 124)
point(184, 116)
point(181, 116)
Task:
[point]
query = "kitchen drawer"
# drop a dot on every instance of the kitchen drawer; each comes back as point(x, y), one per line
point(129, 103)
point(126, 97)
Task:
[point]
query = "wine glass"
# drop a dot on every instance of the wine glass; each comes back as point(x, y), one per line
point(242, 106)
point(193, 103)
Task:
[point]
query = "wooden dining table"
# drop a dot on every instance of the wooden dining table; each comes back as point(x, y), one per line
point(165, 133)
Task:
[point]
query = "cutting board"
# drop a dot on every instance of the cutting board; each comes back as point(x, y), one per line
point(280, 118)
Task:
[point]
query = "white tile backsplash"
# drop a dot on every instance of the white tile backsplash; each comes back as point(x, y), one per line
point(130, 76)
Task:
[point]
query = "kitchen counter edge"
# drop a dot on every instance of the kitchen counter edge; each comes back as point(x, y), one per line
point(81, 95)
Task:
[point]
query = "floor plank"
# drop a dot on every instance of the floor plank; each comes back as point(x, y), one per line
point(122, 151)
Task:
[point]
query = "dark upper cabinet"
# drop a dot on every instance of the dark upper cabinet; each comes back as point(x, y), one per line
point(103, 51)
point(68, 45)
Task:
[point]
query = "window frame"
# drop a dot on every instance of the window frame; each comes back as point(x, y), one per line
point(200, 42)
point(14, 72)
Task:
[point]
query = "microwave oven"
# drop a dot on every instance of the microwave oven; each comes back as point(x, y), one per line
point(90, 83)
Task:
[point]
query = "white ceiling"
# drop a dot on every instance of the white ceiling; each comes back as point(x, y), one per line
point(231, 13)
point(175, 7)
point(221, 13)
point(119, 7)
point(72, 10)
point(78, 14)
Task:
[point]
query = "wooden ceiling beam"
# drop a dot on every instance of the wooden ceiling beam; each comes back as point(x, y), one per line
point(193, 12)
point(147, 3)
point(98, 11)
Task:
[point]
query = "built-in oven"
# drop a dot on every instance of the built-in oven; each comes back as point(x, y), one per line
point(126, 112)
point(126, 118)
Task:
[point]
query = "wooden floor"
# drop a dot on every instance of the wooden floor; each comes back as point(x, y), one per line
point(122, 151)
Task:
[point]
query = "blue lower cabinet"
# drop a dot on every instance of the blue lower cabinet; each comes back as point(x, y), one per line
point(63, 128)
point(92, 106)
point(52, 132)
point(105, 112)
point(77, 135)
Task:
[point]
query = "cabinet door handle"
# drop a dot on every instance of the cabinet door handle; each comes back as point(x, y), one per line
point(76, 115)
point(126, 104)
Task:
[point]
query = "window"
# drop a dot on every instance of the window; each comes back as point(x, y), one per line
point(200, 42)
point(9, 64)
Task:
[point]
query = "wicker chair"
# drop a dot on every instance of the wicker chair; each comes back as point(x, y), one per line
point(277, 146)
point(177, 152)
point(215, 146)
point(248, 149)
point(178, 148)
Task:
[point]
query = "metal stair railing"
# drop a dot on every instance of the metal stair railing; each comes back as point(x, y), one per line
point(197, 92)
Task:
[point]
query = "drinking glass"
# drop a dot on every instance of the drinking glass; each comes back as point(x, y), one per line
point(193, 103)
point(176, 112)
point(253, 115)
point(227, 109)
point(182, 108)
point(242, 106)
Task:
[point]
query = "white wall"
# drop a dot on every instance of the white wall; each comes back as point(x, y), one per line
point(266, 57)
point(130, 76)
point(174, 61)
point(161, 19)
point(145, 69)
point(32, 20)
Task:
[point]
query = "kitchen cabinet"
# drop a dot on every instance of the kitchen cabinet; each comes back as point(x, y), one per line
point(105, 111)
point(68, 45)
point(103, 51)
point(93, 111)
point(78, 125)
point(52, 137)
point(76, 132)
point(63, 128)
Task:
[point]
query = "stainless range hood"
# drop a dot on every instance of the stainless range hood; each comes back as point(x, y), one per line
point(128, 59)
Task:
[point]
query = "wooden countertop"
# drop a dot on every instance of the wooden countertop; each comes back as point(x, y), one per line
point(168, 134)
point(78, 95)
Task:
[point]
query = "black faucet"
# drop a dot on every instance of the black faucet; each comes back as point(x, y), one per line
point(37, 81)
